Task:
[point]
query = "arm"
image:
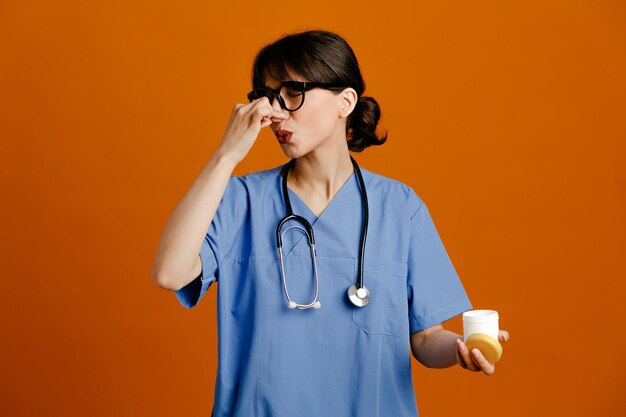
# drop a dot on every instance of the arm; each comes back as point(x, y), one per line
point(177, 261)
point(435, 347)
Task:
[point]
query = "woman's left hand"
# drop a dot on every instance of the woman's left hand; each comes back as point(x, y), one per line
point(475, 361)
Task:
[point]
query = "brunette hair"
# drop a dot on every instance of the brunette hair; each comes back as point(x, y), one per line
point(323, 56)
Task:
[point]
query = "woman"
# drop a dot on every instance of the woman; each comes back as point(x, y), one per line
point(321, 327)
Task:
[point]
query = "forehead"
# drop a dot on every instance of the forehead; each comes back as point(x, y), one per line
point(270, 81)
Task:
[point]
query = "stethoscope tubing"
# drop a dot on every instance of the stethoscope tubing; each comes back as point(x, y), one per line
point(357, 170)
point(310, 236)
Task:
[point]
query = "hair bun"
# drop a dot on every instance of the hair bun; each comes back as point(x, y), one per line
point(361, 125)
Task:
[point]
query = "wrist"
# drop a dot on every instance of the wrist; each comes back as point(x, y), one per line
point(226, 159)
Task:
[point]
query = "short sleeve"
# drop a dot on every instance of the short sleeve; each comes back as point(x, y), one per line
point(193, 292)
point(217, 242)
point(435, 292)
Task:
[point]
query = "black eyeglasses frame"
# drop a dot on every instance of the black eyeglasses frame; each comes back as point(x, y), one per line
point(301, 86)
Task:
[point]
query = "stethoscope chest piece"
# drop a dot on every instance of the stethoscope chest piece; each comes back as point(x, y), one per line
point(360, 297)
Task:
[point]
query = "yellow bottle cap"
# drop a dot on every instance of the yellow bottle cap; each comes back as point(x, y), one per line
point(488, 346)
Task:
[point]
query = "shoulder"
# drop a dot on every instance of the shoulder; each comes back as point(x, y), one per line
point(260, 176)
point(392, 190)
point(253, 186)
point(253, 181)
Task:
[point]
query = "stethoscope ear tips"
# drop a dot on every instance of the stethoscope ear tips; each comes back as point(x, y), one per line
point(316, 304)
point(292, 304)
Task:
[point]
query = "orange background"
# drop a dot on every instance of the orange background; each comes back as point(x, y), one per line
point(507, 118)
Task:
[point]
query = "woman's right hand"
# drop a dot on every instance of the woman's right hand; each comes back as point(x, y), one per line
point(244, 125)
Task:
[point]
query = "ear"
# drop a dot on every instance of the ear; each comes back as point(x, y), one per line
point(347, 100)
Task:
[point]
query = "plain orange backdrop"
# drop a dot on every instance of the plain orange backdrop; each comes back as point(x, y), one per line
point(506, 117)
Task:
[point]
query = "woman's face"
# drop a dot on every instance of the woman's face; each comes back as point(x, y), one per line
point(316, 125)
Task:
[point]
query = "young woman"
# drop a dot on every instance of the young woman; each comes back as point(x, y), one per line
point(319, 320)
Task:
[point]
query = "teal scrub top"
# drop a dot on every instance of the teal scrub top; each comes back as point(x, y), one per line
point(338, 360)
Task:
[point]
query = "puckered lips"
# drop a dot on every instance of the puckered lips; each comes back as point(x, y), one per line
point(283, 135)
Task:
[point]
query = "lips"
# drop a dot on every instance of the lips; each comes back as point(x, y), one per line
point(283, 135)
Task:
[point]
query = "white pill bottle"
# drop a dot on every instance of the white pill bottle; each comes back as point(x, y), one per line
point(480, 321)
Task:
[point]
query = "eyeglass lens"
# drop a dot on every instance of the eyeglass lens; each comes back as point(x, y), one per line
point(291, 97)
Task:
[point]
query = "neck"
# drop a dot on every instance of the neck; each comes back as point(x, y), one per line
point(321, 173)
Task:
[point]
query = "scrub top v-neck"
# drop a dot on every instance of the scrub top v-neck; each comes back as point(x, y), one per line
point(338, 360)
point(302, 209)
point(344, 185)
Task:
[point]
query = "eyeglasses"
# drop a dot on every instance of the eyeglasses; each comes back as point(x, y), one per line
point(290, 94)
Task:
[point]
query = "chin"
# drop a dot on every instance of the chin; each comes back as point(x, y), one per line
point(292, 155)
point(291, 151)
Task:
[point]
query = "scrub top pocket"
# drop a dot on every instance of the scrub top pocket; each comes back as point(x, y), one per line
point(387, 312)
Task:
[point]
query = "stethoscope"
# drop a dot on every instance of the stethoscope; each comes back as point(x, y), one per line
point(357, 293)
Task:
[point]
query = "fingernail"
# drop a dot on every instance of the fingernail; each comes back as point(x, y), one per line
point(475, 352)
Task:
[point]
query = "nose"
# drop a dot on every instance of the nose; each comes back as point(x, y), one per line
point(279, 112)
